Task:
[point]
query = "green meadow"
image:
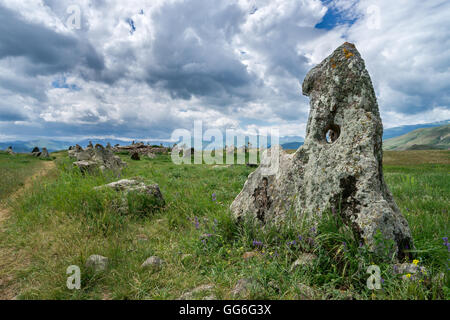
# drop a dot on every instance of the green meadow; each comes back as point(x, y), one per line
point(60, 220)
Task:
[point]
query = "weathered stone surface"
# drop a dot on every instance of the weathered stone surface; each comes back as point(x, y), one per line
point(154, 263)
point(97, 263)
point(10, 151)
point(306, 292)
point(135, 156)
point(305, 259)
point(97, 157)
point(135, 186)
point(205, 288)
point(410, 271)
point(340, 163)
point(44, 153)
point(244, 287)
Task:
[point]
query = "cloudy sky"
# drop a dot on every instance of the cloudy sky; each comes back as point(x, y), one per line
point(140, 69)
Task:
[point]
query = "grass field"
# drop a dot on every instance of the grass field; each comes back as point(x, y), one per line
point(14, 170)
point(62, 221)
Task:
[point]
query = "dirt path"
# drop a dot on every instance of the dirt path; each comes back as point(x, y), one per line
point(42, 171)
point(9, 256)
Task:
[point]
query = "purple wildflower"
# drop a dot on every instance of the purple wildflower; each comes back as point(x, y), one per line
point(382, 280)
point(257, 243)
point(361, 244)
point(197, 224)
point(300, 238)
point(214, 197)
point(292, 243)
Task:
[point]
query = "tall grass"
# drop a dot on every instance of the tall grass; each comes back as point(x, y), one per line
point(65, 220)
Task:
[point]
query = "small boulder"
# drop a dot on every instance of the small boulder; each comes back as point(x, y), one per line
point(243, 287)
point(410, 271)
point(44, 154)
point(135, 156)
point(10, 151)
point(191, 295)
point(86, 166)
point(155, 263)
point(305, 259)
point(97, 263)
point(305, 292)
point(249, 255)
point(151, 155)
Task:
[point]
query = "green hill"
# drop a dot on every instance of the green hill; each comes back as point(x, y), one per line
point(421, 139)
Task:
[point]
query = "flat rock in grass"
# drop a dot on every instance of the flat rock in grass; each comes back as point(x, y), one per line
point(205, 288)
point(410, 271)
point(305, 292)
point(125, 185)
point(243, 287)
point(154, 263)
point(305, 259)
point(86, 166)
point(339, 165)
point(97, 263)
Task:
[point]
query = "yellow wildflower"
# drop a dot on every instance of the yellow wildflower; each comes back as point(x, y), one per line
point(408, 275)
point(415, 262)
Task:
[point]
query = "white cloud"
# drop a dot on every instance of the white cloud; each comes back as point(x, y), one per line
point(236, 64)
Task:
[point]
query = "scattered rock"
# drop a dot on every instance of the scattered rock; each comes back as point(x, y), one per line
point(97, 263)
point(44, 154)
point(10, 151)
point(155, 263)
point(243, 287)
point(151, 155)
point(98, 157)
point(133, 186)
point(305, 292)
point(305, 259)
point(135, 156)
point(190, 295)
point(86, 166)
point(250, 254)
point(340, 163)
point(410, 271)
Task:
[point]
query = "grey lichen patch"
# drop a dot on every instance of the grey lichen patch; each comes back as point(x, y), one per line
point(340, 163)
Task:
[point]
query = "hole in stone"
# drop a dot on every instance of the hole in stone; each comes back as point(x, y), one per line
point(332, 133)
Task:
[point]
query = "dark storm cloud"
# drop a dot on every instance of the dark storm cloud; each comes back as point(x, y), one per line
point(192, 54)
point(47, 51)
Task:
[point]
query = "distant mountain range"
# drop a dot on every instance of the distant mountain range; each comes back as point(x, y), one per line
point(399, 131)
point(287, 142)
point(421, 139)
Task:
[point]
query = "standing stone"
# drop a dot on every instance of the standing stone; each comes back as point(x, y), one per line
point(44, 153)
point(340, 163)
point(135, 156)
point(10, 151)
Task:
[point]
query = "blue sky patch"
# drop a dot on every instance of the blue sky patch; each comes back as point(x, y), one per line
point(333, 18)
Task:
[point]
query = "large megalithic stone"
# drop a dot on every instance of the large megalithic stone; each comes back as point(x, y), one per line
point(339, 167)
